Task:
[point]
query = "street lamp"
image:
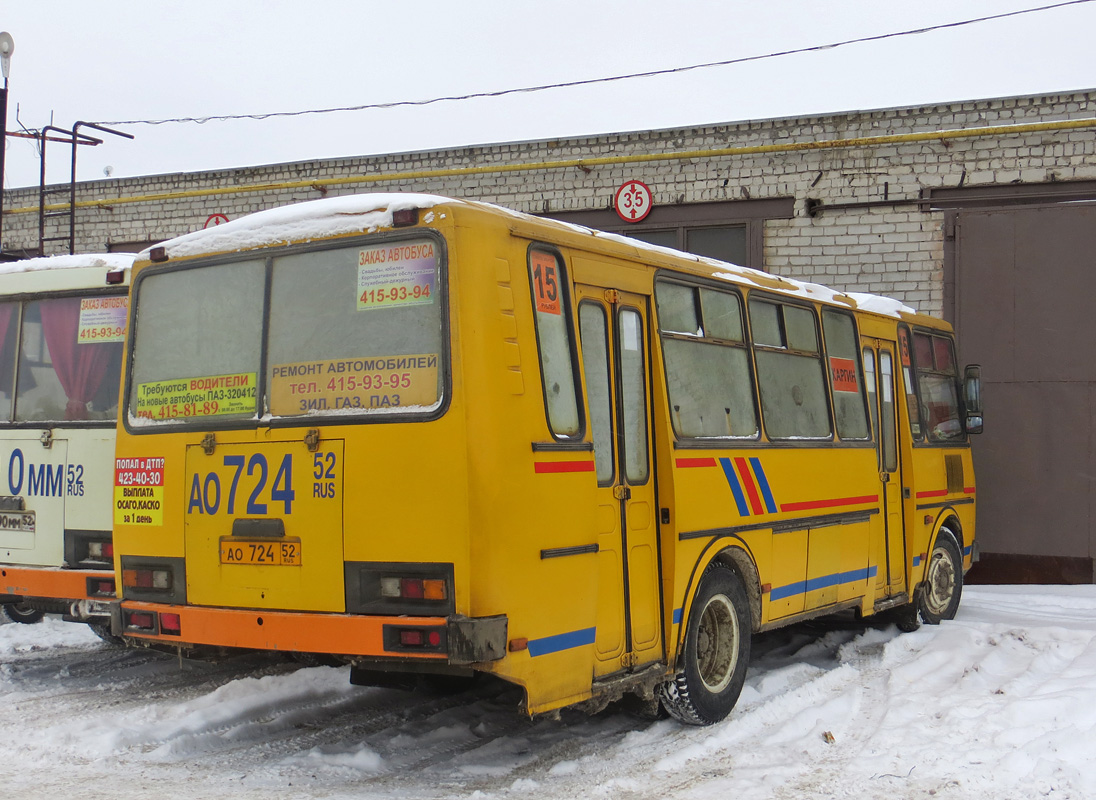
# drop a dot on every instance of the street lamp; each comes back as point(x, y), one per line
point(7, 47)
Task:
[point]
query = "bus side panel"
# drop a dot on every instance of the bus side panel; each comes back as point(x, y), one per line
point(528, 507)
point(823, 503)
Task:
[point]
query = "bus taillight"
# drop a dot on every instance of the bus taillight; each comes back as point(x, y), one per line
point(418, 638)
point(413, 588)
point(141, 620)
point(147, 578)
point(171, 624)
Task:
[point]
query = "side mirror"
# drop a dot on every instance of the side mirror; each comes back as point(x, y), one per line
point(972, 397)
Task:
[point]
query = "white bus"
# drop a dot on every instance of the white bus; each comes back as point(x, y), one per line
point(62, 336)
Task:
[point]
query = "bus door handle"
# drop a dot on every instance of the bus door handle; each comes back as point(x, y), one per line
point(884, 477)
point(622, 492)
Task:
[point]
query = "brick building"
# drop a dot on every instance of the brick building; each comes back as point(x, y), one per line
point(980, 212)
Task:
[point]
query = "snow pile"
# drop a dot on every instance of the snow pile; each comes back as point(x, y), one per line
point(1000, 703)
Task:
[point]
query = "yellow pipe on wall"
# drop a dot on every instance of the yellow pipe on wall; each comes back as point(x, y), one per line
point(639, 158)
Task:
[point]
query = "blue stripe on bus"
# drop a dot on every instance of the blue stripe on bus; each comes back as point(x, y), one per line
point(917, 561)
point(736, 487)
point(823, 582)
point(678, 615)
point(763, 482)
point(561, 641)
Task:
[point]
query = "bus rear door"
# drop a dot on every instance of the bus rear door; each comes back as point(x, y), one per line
point(613, 332)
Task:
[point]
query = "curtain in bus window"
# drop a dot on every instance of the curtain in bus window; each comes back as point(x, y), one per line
point(79, 367)
point(7, 357)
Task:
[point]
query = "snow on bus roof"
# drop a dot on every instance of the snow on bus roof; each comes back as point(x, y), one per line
point(333, 216)
point(107, 260)
point(313, 219)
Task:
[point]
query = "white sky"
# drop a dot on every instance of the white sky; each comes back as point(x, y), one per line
point(104, 60)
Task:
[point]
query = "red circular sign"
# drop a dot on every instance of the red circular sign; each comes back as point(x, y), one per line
point(215, 219)
point(633, 201)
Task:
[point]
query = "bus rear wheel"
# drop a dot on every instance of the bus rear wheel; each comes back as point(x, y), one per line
point(943, 585)
point(24, 613)
point(716, 651)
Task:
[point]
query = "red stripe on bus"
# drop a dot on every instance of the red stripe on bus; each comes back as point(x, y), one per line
point(563, 466)
point(695, 462)
point(749, 485)
point(841, 501)
point(933, 493)
point(968, 490)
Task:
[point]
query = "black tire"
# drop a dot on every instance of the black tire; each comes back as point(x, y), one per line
point(716, 651)
point(21, 612)
point(102, 630)
point(943, 586)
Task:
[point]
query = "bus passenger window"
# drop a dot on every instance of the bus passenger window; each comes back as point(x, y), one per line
point(633, 392)
point(9, 323)
point(707, 365)
point(557, 366)
point(848, 397)
point(593, 331)
point(789, 371)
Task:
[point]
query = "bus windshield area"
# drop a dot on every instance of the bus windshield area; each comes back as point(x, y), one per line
point(352, 330)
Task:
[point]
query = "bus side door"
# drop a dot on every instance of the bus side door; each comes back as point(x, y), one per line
point(615, 355)
point(880, 377)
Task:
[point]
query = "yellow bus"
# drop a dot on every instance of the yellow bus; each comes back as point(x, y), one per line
point(433, 436)
point(62, 330)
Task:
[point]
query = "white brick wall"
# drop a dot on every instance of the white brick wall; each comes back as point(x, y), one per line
point(896, 250)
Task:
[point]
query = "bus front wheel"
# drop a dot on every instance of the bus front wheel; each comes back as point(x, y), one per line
point(943, 585)
point(716, 651)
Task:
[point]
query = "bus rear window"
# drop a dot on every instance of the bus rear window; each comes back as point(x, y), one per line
point(349, 331)
point(197, 345)
point(356, 330)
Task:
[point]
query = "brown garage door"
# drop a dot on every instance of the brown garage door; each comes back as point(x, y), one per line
point(1025, 294)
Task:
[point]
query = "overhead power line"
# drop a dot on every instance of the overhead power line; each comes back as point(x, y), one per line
point(592, 81)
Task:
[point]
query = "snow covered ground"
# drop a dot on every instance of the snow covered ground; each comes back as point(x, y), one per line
point(1000, 703)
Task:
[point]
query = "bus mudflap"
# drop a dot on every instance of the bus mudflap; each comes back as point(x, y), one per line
point(476, 639)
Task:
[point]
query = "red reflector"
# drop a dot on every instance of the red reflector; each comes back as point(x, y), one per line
point(108, 550)
point(435, 638)
point(412, 588)
point(170, 623)
point(141, 619)
point(411, 637)
point(106, 587)
point(144, 579)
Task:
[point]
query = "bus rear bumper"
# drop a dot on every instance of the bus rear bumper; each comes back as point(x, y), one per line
point(65, 586)
point(455, 640)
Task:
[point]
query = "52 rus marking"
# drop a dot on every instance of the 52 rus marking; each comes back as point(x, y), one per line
point(211, 492)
